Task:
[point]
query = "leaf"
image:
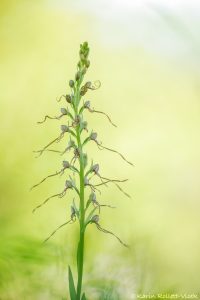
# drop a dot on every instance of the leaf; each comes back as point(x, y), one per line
point(83, 297)
point(86, 140)
point(90, 215)
point(72, 290)
point(87, 204)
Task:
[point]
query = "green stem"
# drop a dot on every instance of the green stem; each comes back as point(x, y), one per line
point(82, 219)
point(80, 250)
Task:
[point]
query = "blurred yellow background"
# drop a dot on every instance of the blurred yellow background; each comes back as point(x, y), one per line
point(146, 55)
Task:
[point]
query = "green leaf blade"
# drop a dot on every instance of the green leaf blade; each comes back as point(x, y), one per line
point(83, 297)
point(72, 289)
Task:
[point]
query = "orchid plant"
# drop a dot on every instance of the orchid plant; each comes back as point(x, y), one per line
point(85, 211)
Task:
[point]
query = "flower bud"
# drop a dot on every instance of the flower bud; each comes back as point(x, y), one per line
point(63, 111)
point(84, 124)
point(93, 136)
point(71, 144)
point(65, 164)
point(64, 128)
point(95, 219)
point(82, 57)
point(83, 91)
point(71, 83)
point(78, 75)
point(84, 71)
point(88, 84)
point(85, 45)
point(68, 98)
point(87, 104)
point(78, 119)
point(95, 168)
point(86, 52)
point(68, 184)
point(87, 64)
point(92, 197)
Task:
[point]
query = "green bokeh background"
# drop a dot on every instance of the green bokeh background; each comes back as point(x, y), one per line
point(148, 64)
